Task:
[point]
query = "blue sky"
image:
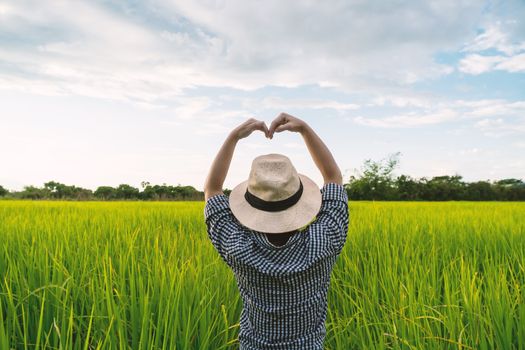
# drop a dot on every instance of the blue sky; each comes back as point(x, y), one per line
point(105, 92)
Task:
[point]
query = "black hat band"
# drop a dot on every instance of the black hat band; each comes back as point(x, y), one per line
point(273, 206)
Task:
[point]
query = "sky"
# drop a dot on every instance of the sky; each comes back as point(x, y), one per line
point(107, 92)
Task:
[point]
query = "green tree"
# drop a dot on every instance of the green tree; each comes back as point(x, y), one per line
point(105, 193)
point(3, 191)
point(58, 190)
point(510, 189)
point(376, 180)
point(480, 191)
point(510, 182)
point(124, 191)
point(408, 189)
point(32, 192)
point(445, 188)
point(148, 192)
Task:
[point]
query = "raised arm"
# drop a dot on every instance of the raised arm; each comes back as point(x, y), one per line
point(221, 163)
point(321, 155)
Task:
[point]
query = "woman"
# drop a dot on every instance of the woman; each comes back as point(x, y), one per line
point(280, 235)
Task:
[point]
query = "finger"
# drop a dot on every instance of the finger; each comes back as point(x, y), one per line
point(276, 122)
point(251, 124)
point(253, 121)
point(262, 126)
point(283, 127)
point(247, 123)
point(266, 130)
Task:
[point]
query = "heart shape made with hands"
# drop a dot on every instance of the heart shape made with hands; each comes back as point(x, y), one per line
point(283, 122)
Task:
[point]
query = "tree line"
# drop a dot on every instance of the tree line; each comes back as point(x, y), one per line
point(59, 191)
point(375, 181)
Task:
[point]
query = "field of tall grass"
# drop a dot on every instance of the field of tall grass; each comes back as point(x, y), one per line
point(142, 275)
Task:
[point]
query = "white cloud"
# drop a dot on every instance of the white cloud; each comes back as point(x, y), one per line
point(84, 48)
point(330, 42)
point(501, 116)
point(477, 64)
point(513, 64)
point(499, 127)
point(274, 102)
point(490, 123)
point(495, 38)
point(90, 52)
point(492, 108)
point(409, 120)
point(402, 101)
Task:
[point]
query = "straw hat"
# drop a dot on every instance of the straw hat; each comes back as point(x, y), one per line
point(275, 198)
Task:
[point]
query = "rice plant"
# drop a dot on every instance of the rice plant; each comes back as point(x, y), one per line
point(143, 275)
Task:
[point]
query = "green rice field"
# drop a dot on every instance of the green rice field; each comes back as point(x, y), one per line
point(143, 275)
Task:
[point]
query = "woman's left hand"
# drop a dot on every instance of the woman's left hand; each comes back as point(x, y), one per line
point(249, 126)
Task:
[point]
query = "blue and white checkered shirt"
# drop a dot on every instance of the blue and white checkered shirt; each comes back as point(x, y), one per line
point(283, 288)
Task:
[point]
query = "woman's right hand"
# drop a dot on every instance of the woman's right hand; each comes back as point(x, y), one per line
point(284, 122)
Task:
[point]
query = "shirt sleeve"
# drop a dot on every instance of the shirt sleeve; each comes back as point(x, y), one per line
point(221, 224)
point(333, 215)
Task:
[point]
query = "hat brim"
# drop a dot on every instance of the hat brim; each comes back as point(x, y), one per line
point(287, 220)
